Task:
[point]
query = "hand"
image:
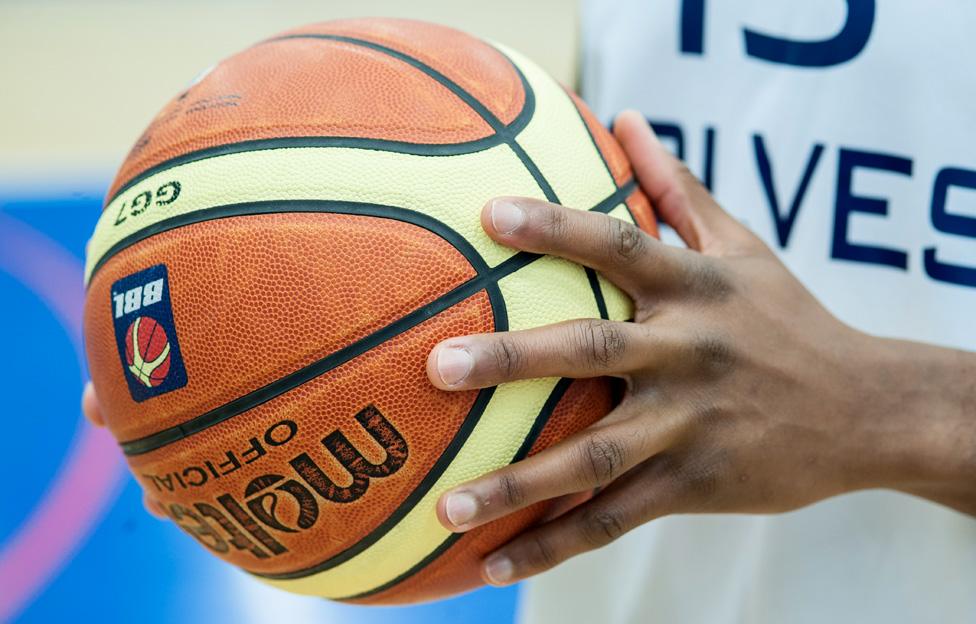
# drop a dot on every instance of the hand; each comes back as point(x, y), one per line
point(743, 393)
point(91, 410)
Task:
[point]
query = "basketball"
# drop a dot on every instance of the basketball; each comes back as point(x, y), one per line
point(147, 351)
point(277, 256)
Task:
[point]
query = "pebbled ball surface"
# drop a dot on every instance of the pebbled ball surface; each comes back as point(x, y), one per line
point(391, 377)
point(257, 297)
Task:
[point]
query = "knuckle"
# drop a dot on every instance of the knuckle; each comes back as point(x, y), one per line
point(511, 491)
point(665, 468)
point(687, 176)
point(599, 343)
point(601, 459)
point(553, 223)
point(541, 554)
point(509, 356)
point(694, 483)
point(713, 353)
point(674, 200)
point(627, 242)
point(709, 279)
point(700, 480)
point(601, 526)
point(709, 418)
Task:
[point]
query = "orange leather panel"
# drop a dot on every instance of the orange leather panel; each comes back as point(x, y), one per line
point(619, 166)
point(613, 154)
point(324, 88)
point(257, 297)
point(640, 207)
point(475, 66)
point(389, 380)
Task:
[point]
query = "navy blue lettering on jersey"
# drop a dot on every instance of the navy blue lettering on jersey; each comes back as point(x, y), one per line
point(672, 133)
point(847, 203)
point(842, 47)
point(949, 223)
point(787, 194)
point(784, 223)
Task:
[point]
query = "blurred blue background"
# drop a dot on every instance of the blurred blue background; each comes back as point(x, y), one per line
point(75, 541)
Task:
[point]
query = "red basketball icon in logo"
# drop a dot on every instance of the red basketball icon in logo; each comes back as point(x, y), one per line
point(147, 351)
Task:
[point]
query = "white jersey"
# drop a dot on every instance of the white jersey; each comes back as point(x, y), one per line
point(843, 133)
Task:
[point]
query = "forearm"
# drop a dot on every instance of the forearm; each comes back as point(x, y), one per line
point(924, 403)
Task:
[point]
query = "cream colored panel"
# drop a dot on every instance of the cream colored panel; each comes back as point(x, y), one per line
point(558, 142)
point(547, 291)
point(451, 189)
point(621, 212)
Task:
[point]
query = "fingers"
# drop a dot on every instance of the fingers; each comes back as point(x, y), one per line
point(92, 411)
point(562, 504)
point(580, 348)
point(154, 507)
point(591, 459)
point(89, 406)
point(621, 251)
point(614, 511)
point(675, 193)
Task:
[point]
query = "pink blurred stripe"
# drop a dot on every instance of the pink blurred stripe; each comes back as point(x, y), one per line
point(89, 478)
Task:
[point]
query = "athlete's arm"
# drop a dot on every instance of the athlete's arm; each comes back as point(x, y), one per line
point(743, 393)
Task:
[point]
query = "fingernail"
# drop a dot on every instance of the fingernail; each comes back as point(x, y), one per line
point(454, 364)
point(499, 569)
point(506, 217)
point(460, 508)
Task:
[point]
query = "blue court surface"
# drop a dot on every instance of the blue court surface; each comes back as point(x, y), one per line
point(75, 542)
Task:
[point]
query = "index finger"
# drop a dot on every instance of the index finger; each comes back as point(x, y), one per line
point(89, 406)
point(621, 251)
point(676, 194)
point(592, 458)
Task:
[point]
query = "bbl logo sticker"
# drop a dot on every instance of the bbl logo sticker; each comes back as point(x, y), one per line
point(146, 335)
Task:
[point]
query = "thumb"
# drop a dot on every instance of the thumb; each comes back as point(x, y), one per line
point(675, 193)
point(89, 405)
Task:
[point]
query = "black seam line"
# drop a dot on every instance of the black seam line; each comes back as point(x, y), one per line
point(259, 145)
point(337, 358)
point(596, 146)
point(602, 157)
point(430, 479)
point(135, 347)
point(486, 278)
point(591, 275)
point(502, 133)
point(537, 426)
point(472, 102)
point(601, 302)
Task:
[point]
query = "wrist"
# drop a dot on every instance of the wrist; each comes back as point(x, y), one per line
point(918, 404)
